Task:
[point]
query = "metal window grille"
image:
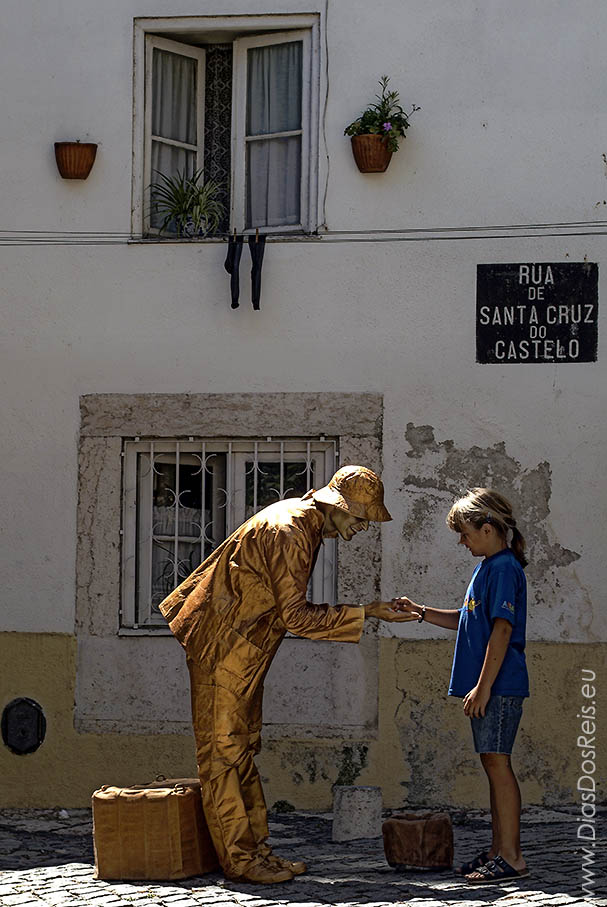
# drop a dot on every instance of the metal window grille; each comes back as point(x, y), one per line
point(182, 498)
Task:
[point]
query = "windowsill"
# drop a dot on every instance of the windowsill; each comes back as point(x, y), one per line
point(144, 631)
point(165, 631)
point(203, 240)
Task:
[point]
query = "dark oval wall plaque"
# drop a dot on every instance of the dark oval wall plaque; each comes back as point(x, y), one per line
point(537, 312)
point(23, 726)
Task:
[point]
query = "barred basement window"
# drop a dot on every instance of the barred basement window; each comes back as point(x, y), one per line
point(183, 498)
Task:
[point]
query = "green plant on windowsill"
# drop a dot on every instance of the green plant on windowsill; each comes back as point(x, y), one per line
point(386, 118)
point(189, 207)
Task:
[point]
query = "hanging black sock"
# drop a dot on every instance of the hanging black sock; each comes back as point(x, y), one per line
point(232, 266)
point(257, 246)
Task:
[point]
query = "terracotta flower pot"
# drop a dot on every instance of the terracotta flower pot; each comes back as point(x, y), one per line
point(371, 153)
point(75, 159)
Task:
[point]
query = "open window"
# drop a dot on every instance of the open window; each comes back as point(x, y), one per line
point(244, 111)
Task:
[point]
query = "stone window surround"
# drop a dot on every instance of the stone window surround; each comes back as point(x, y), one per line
point(105, 701)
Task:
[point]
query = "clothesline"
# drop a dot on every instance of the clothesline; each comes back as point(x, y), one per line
point(394, 233)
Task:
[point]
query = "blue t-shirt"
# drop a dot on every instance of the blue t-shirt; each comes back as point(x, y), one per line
point(498, 588)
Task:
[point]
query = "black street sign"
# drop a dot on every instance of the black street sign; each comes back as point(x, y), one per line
point(537, 312)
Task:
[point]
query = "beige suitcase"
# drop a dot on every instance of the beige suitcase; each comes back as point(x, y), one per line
point(152, 831)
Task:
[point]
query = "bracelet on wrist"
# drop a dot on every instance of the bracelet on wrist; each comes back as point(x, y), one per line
point(422, 614)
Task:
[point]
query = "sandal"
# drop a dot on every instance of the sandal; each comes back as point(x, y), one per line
point(478, 861)
point(496, 871)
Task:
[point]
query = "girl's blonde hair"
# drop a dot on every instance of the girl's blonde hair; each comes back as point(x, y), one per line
point(484, 505)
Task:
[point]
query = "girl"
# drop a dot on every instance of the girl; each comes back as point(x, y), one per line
point(489, 671)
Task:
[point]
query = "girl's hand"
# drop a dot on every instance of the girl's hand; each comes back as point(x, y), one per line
point(475, 702)
point(405, 605)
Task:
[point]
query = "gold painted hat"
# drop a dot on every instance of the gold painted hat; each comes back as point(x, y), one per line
point(357, 490)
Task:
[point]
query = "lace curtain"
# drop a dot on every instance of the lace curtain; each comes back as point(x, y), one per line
point(173, 115)
point(274, 105)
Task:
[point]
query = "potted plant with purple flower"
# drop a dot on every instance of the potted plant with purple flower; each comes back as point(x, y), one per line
point(376, 132)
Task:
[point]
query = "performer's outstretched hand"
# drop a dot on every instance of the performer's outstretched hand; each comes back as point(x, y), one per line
point(386, 611)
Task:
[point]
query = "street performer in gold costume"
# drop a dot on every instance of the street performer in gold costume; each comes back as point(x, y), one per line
point(231, 615)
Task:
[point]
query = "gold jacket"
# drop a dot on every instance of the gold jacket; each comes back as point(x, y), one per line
point(232, 612)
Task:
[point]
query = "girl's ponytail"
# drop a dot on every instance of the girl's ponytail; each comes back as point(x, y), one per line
point(518, 546)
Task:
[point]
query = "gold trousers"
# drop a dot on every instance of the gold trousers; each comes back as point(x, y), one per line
point(227, 729)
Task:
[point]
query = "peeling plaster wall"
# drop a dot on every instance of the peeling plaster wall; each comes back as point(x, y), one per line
point(432, 474)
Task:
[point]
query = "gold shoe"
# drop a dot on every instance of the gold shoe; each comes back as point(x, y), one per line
point(263, 872)
point(297, 867)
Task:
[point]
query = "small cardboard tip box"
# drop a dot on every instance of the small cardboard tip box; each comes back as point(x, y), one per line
point(153, 831)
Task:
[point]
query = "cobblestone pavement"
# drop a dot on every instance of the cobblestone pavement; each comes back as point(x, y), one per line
point(46, 858)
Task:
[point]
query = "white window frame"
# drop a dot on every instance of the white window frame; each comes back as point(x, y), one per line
point(153, 42)
point(137, 548)
point(239, 132)
point(203, 28)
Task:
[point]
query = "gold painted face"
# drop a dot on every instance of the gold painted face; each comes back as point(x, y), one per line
point(340, 522)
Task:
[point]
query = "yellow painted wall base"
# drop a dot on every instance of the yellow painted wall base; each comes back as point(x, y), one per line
point(68, 766)
point(421, 753)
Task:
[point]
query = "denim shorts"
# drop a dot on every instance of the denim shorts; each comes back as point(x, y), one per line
point(495, 732)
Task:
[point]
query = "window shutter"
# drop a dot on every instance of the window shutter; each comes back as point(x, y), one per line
point(271, 131)
point(175, 81)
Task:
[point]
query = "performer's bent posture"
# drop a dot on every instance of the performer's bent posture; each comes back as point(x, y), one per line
point(230, 615)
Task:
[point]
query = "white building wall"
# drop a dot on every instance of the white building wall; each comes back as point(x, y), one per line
point(510, 135)
point(510, 132)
